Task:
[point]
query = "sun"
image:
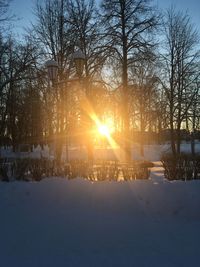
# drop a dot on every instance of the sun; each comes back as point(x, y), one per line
point(104, 130)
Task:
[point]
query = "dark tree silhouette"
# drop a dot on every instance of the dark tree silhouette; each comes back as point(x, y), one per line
point(128, 25)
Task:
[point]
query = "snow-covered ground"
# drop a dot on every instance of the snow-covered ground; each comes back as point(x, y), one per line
point(151, 152)
point(73, 223)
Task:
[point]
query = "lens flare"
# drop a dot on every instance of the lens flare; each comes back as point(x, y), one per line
point(104, 130)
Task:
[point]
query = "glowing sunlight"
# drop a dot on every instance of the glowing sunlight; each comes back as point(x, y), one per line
point(104, 130)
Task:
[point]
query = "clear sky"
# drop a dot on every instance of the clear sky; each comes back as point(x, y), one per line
point(23, 9)
point(191, 6)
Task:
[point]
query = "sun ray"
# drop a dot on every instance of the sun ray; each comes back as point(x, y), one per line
point(103, 129)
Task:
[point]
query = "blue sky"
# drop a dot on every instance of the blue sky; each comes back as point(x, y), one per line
point(191, 6)
point(23, 9)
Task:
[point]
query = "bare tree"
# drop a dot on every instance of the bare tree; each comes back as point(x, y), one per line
point(15, 59)
point(85, 28)
point(128, 27)
point(180, 58)
point(84, 24)
point(144, 96)
point(194, 113)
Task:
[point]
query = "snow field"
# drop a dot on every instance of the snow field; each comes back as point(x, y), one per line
point(57, 222)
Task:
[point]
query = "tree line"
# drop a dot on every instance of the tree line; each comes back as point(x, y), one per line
point(141, 71)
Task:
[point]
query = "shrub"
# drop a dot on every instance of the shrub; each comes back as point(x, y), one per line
point(36, 169)
point(4, 173)
point(181, 167)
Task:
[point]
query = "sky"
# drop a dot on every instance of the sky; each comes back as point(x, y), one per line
point(23, 10)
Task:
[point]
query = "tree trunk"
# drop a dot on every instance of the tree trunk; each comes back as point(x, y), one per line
point(178, 141)
point(193, 144)
point(172, 137)
point(141, 132)
point(125, 102)
point(193, 130)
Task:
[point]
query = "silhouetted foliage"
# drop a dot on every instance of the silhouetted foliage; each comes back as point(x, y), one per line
point(181, 167)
